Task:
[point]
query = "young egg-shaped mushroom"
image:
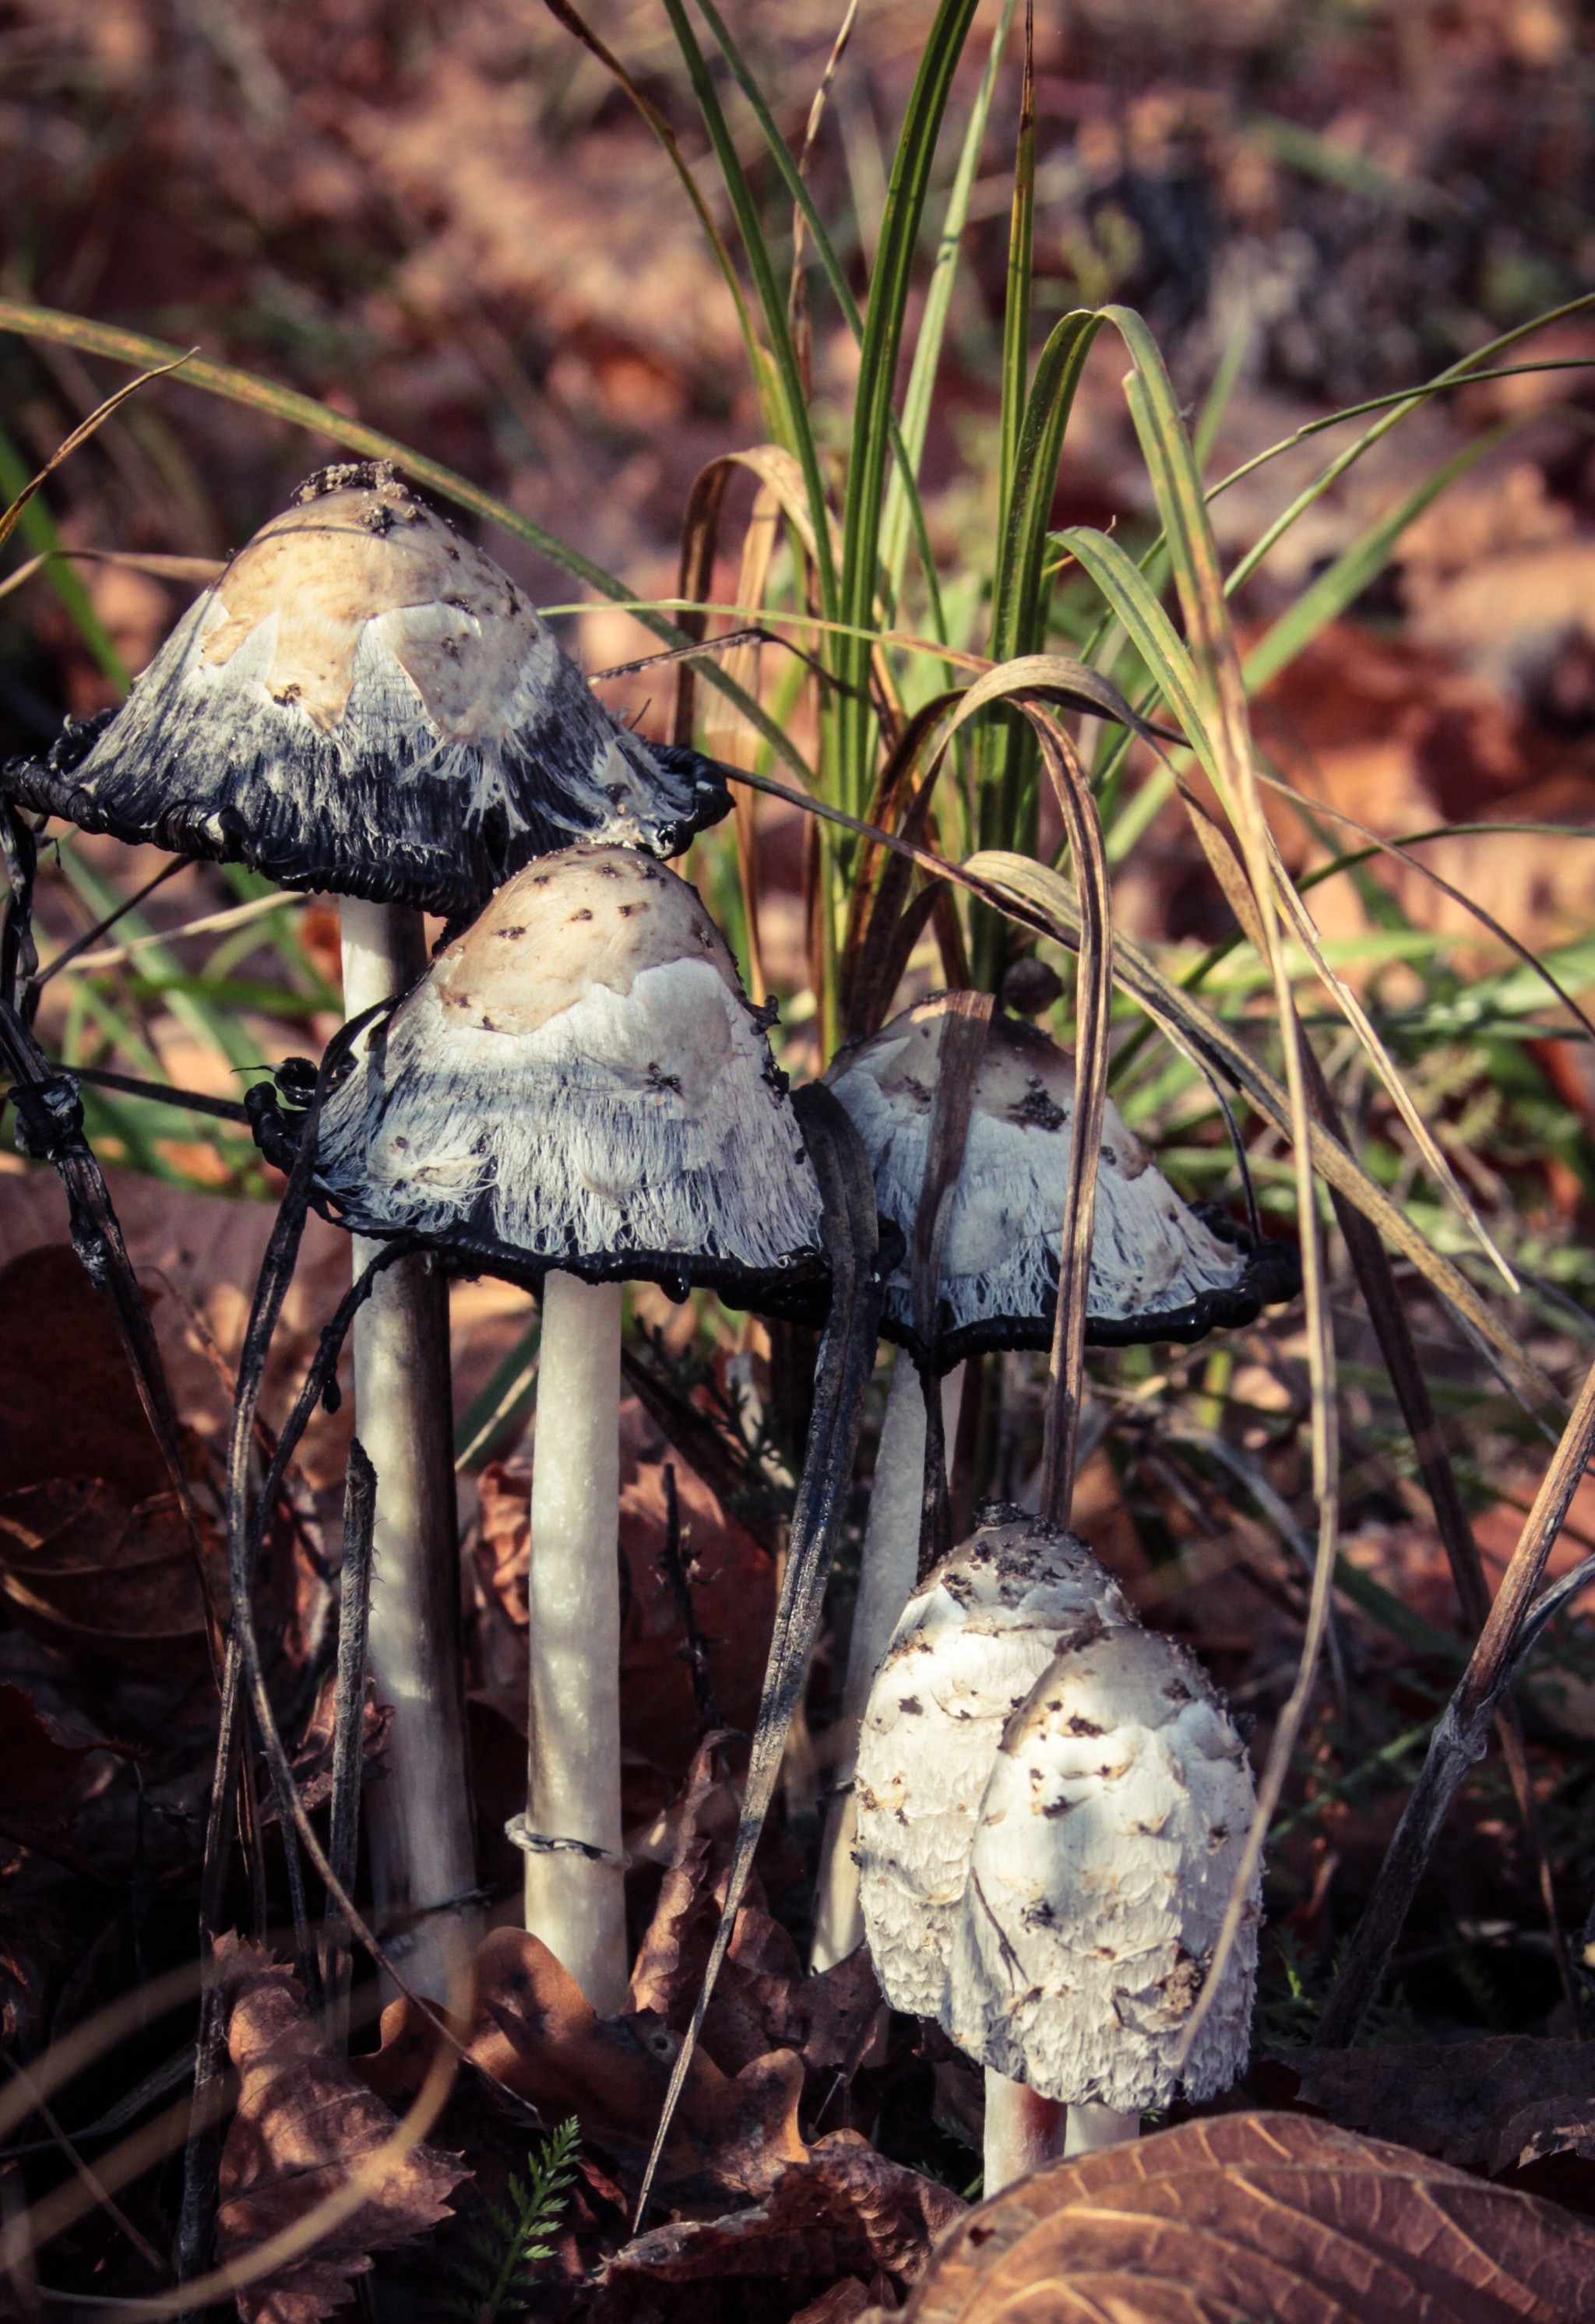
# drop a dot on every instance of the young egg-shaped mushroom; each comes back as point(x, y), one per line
point(973, 1640)
point(1160, 1270)
point(366, 703)
point(1114, 1815)
point(577, 1093)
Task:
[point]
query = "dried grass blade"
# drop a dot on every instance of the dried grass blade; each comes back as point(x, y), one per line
point(81, 435)
point(1459, 1735)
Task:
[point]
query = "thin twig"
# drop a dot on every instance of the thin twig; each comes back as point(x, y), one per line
point(86, 2172)
point(1458, 1737)
point(348, 1727)
point(91, 937)
point(960, 1053)
point(673, 1562)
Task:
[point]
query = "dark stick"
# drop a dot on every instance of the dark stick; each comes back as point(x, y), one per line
point(348, 1727)
point(1513, 1621)
point(50, 1129)
point(1093, 995)
point(960, 1053)
point(202, 2150)
point(1386, 1312)
point(673, 1561)
point(850, 1229)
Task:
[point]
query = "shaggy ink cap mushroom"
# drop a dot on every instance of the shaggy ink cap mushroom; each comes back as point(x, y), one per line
point(366, 703)
point(579, 1083)
point(972, 1642)
point(1160, 1269)
point(1115, 1815)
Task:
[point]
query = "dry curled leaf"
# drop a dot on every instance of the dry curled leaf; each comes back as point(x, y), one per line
point(532, 2030)
point(304, 2120)
point(1259, 2215)
point(1453, 2099)
point(844, 2212)
point(98, 1579)
point(762, 2000)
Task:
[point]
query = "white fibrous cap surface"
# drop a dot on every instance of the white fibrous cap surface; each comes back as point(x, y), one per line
point(1151, 1254)
point(579, 1074)
point(1116, 1812)
point(971, 1644)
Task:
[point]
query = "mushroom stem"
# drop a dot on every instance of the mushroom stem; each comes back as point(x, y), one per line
point(575, 1901)
point(886, 1579)
point(419, 1819)
point(1093, 2126)
point(1023, 2131)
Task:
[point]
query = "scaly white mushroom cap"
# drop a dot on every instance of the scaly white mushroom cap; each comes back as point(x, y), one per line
point(366, 702)
point(973, 1640)
point(579, 1081)
point(1116, 1812)
point(1158, 1271)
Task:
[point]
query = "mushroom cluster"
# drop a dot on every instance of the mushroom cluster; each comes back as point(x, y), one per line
point(1050, 1801)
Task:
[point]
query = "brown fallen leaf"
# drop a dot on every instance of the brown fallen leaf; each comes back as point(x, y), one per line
point(1450, 2099)
point(846, 2303)
point(845, 2211)
point(89, 1573)
point(763, 2000)
point(532, 2030)
point(312, 1762)
point(734, 1593)
point(68, 1406)
point(303, 2121)
point(1259, 2215)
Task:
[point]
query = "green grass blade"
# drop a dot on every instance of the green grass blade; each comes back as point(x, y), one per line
point(933, 324)
point(795, 432)
point(1021, 262)
point(1046, 897)
point(37, 527)
point(878, 357)
point(1341, 583)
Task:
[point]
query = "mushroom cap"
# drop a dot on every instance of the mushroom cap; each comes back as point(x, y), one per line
point(1160, 1270)
point(579, 1081)
point(973, 1640)
point(366, 702)
point(1115, 1815)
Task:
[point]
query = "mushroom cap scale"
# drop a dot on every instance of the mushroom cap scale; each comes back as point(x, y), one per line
point(1115, 1815)
point(364, 702)
point(579, 1081)
point(971, 1643)
point(1159, 1269)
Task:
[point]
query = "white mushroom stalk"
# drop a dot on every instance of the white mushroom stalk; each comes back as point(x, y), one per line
point(579, 1090)
point(419, 1826)
point(887, 1571)
point(1116, 1811)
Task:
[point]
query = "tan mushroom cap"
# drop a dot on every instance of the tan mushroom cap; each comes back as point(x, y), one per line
point(604, 915)
point(325, 569)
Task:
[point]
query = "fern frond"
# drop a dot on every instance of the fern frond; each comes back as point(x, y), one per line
point(496, 2276)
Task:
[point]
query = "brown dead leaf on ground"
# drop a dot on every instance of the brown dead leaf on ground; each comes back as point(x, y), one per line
point(303, 2121)
point(845, 2213)
point(532, 2029)
point(763, 2000)
point(44, 1757)
point(1457, 2100)
point(734, 1593)
point(1259, 2215)
point(312, 1762)
point(105, 1582)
